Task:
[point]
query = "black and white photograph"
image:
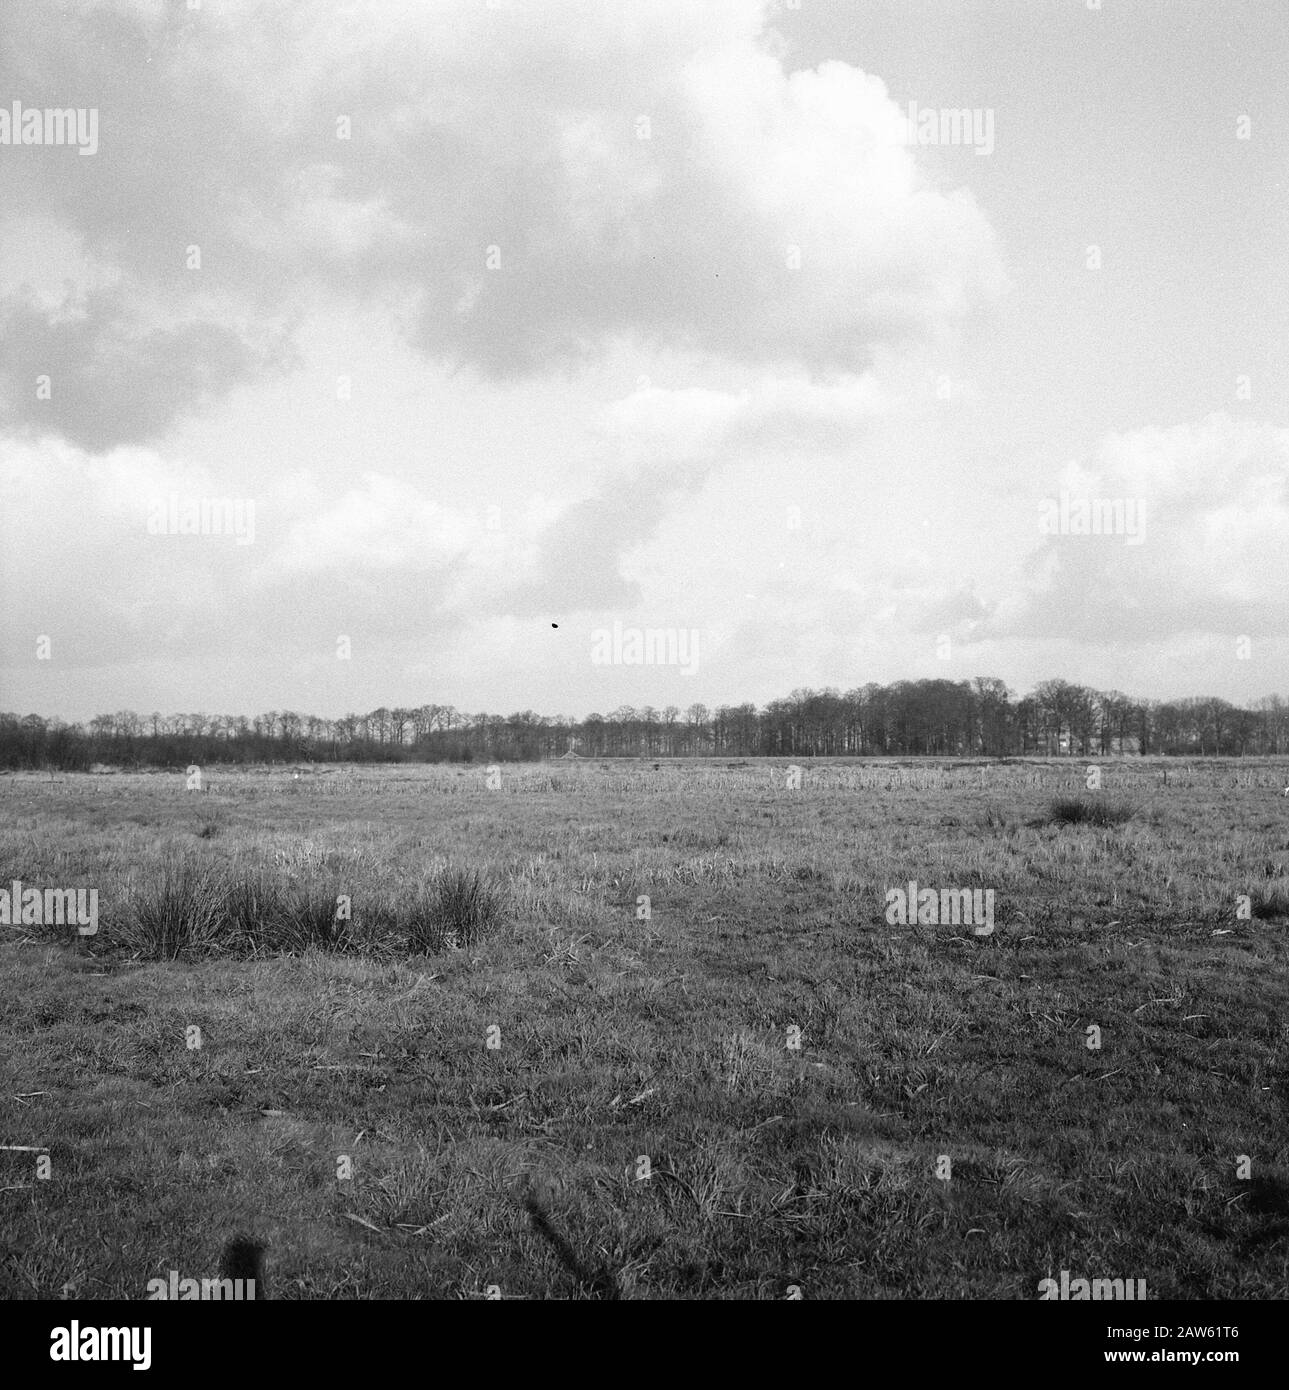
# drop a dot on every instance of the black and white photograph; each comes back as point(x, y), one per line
point(644, 657)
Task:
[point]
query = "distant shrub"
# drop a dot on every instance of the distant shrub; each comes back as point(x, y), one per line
point(181, 913)
point(1077, 810)
point(456, 908)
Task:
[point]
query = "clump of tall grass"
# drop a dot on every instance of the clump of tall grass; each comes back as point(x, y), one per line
point(251, 905)
point(1271, 901)
point(265, 915)
point(180, 913)
point(1080, 810)
point(193, 909)
point(455, 908)
point(309, 918)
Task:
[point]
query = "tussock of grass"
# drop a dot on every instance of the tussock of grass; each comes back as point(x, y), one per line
point(269, 917)
point(1077, 810)
point(252, 905)
point(456, 908)
point(181, 913)
point(308, 918)
point(192, 910)
point(1271, 901)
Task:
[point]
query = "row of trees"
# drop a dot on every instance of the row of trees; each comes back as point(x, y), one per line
point(940, 718)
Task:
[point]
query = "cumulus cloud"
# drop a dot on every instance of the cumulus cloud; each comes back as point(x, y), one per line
point(957, 614)
point(697, 423)
point(1215, 496)
point(578, 563)
point(95, 373)
point(85, 563)
point(381, 524)
point(528, 184)
point(528, 188)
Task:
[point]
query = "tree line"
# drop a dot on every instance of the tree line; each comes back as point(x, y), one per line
point(923, 718)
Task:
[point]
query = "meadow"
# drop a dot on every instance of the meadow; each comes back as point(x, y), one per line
point(669, 1046)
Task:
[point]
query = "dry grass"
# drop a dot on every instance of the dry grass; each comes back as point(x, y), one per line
point(744, 1084)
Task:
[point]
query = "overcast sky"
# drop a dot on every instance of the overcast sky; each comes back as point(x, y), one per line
point(496, 314)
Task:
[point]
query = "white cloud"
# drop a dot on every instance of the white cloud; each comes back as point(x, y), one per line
point(1216, 505)
point(383, 524)
point(695, 423)
point(517, 128)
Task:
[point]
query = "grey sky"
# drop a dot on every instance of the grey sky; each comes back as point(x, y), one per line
point(581, 312)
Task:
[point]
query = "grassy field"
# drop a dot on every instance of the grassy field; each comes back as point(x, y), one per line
point(644, 1128)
